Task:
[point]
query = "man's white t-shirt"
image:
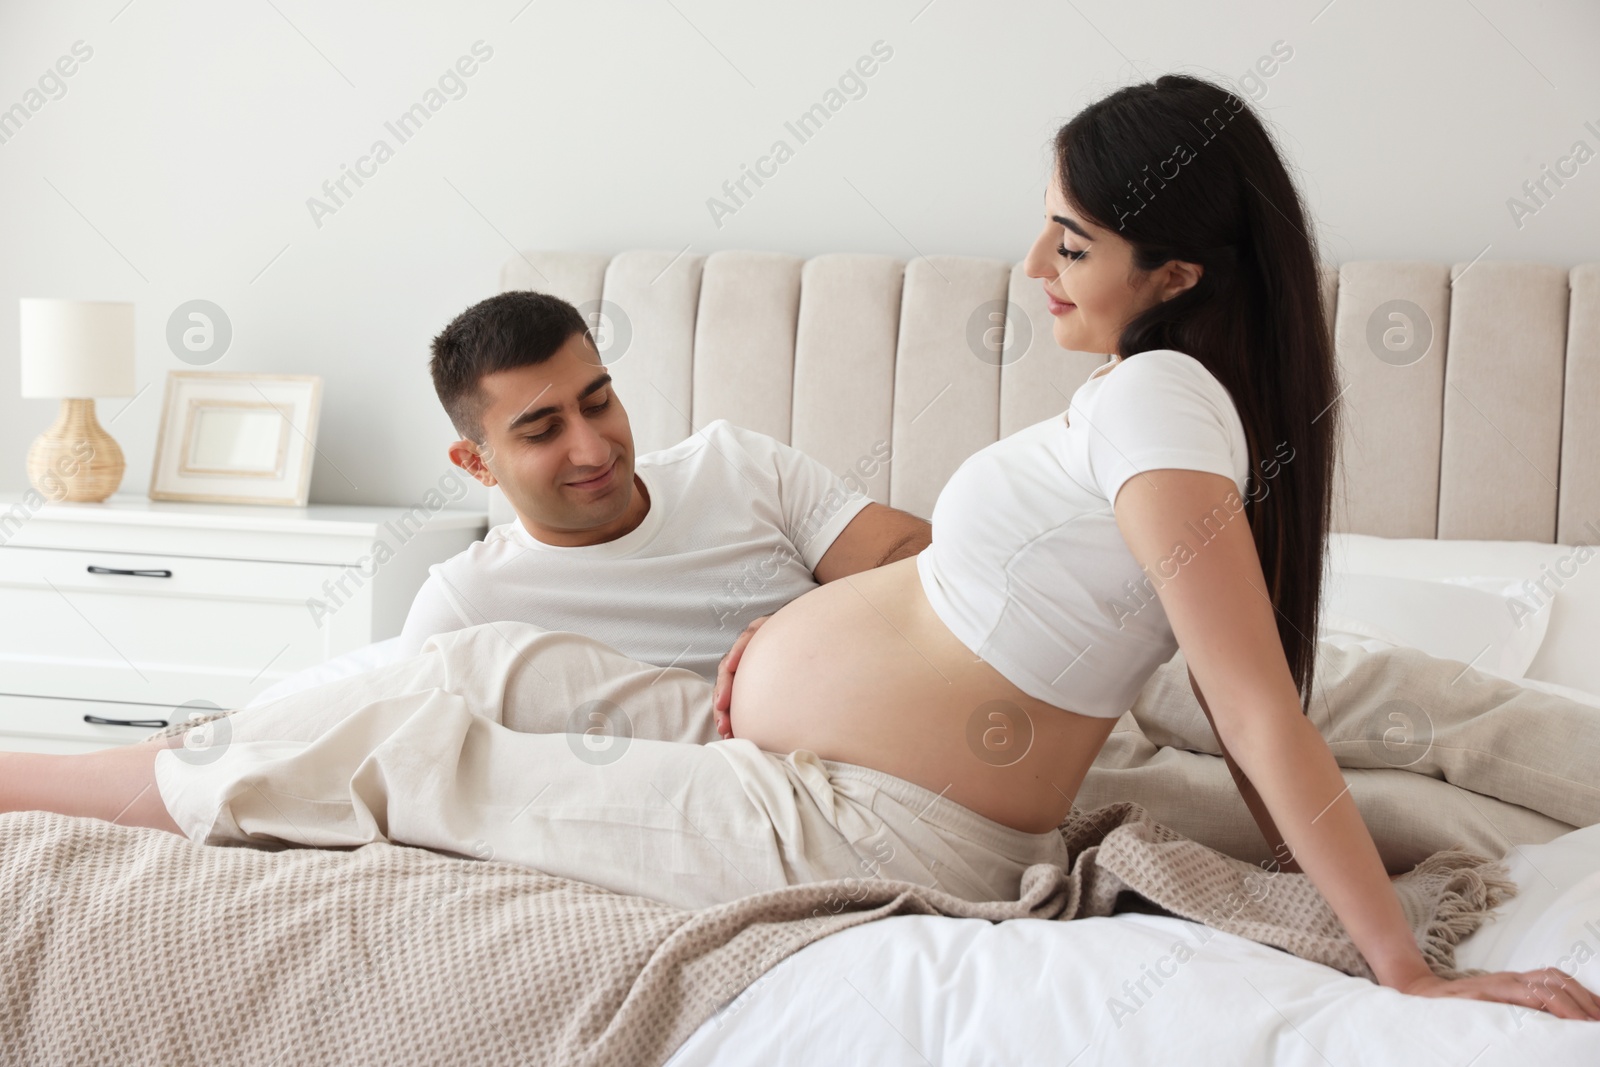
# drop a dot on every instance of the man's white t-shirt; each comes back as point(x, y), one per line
point(737, 523)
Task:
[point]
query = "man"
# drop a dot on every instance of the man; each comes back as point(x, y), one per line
point(666, 559)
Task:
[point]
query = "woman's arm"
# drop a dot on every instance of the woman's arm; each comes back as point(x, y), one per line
point(1187, 529)
point(1281, 855)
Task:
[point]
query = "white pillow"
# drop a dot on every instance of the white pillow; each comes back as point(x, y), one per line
point(1470, 619)
point(1562, 581)
point(1554, 920)
point(354, 662)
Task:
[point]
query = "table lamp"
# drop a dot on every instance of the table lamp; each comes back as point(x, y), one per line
point(76, 350)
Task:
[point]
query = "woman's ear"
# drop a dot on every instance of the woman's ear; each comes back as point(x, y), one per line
point(1178, 276)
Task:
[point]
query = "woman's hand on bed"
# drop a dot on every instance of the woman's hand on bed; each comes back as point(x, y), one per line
point(1549, 989)
point(722, 695)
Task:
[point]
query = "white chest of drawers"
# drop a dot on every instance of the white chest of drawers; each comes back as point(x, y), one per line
point(117, 616)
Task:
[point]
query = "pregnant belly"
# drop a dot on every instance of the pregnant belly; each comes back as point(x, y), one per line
point(862, 671)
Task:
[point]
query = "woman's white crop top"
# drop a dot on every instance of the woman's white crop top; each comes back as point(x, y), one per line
point(1027, 566)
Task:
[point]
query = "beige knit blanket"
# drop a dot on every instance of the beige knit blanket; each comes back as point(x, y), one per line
point(135, 946)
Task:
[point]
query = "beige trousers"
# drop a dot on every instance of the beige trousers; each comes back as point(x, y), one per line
point(1436, 756)
point(555, 751)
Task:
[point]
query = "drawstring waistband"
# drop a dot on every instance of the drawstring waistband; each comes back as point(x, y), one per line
point(939, 810)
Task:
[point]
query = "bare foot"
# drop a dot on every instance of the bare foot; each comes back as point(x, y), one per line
point(117, 785)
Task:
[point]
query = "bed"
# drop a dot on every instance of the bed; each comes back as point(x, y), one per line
point(1469, 495)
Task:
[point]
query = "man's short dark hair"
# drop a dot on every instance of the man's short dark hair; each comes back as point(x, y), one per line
point(516, 329)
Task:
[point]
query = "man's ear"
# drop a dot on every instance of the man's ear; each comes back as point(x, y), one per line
point(472, 458)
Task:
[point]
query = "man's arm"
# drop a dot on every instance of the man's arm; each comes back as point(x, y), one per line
point(431, 613)
point(877, 535)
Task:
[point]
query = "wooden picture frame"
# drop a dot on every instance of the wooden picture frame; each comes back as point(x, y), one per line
point(236, 438)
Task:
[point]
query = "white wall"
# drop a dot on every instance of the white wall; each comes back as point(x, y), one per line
point(178, 163)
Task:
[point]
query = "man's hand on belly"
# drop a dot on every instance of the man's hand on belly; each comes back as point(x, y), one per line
point(722, 695)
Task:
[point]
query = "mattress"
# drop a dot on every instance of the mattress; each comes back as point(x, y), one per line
point(1142, 989)
point(1145, 989)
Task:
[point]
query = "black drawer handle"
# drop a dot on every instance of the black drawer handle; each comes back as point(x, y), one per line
point(139, 574)
point(148, 724)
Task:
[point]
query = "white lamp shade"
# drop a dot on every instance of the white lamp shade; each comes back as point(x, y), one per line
point(76, 348)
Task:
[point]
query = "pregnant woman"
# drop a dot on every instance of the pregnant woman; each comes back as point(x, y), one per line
point(930, 720)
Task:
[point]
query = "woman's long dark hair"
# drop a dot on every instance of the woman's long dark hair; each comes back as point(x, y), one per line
point(1184, 170)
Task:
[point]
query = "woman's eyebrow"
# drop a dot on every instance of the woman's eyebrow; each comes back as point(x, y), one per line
point(1069, 224)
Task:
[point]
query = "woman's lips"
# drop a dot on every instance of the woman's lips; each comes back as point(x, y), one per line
point(1058, 307)
point(599, 481)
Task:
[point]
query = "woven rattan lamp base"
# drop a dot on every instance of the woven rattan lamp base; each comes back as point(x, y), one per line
point(75, 459)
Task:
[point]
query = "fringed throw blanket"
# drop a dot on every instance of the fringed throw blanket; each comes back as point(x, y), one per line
point(125, 945)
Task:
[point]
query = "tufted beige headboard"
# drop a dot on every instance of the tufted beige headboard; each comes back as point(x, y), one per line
point(1471, 393)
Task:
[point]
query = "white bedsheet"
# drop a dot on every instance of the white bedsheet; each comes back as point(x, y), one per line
point(932, 990)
